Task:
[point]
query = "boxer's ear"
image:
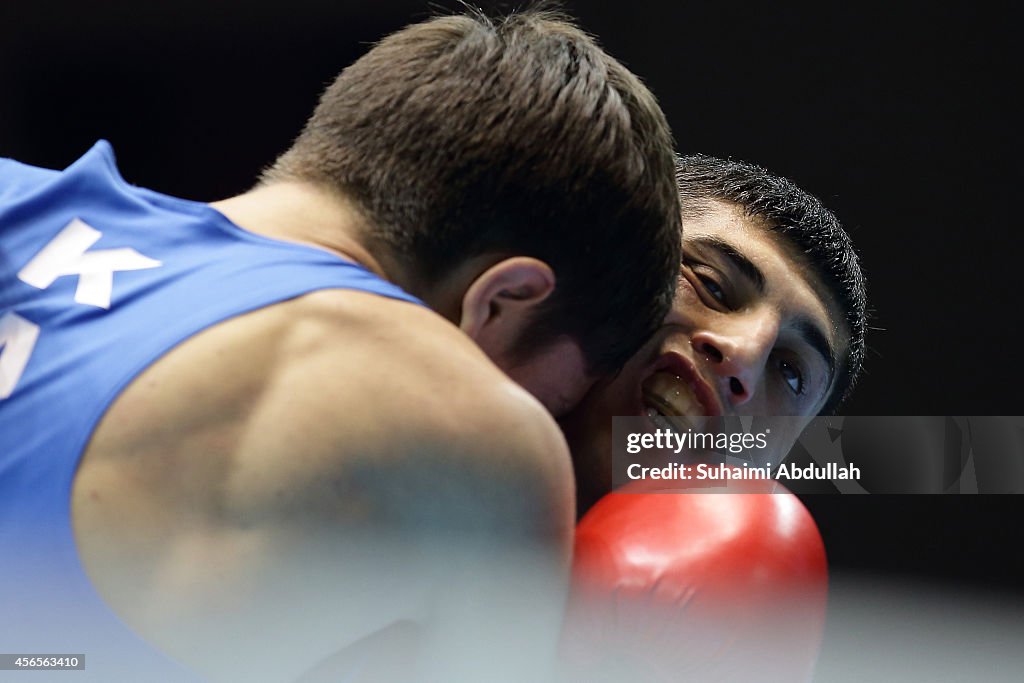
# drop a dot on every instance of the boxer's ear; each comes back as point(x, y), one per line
point(500, 303)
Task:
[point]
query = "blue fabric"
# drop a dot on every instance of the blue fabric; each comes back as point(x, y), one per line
point(83, 357)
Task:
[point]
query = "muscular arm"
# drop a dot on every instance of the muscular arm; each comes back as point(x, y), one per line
point(346, 492)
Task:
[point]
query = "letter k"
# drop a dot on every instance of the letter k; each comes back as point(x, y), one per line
point(68, 254)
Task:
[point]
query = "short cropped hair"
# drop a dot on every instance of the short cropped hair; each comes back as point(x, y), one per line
point(801, 219)
point(464, 135)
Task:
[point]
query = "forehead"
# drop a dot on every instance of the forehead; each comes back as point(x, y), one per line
point(789, 279)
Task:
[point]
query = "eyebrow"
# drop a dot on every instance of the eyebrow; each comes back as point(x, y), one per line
point(739, 260)
point(809, 332)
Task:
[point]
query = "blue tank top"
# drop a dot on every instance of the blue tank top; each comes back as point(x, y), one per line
point(98, 279)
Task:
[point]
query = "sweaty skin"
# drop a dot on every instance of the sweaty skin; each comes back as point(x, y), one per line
point(295, 479)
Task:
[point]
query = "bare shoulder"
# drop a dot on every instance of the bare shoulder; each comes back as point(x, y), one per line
point(325, 388)
point(413, 368)
point(390, 395)
point(317, 453)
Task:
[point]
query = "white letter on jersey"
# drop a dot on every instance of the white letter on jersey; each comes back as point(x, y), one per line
point(17, 339)
point(67, 254)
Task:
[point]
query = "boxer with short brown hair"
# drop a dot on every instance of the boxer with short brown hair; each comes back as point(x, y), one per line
point(239, 424)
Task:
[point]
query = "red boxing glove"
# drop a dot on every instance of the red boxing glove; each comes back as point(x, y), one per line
point(696, 586)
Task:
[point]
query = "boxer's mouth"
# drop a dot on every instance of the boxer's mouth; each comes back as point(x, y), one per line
point(671, 403)
point(676, 396)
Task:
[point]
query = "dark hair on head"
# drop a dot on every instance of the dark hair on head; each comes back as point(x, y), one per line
point(802, 220)
point(464, 136)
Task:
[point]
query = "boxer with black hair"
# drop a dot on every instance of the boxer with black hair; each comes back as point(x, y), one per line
point(769, 317)
point(727, 583)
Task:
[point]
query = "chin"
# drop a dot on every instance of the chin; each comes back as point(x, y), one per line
point(588, 431)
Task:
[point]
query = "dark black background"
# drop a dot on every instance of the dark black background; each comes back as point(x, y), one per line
point(899, 117)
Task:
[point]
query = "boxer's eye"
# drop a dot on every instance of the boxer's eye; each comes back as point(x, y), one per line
point(709, 285)
point(713, 288)
point(792, 376)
